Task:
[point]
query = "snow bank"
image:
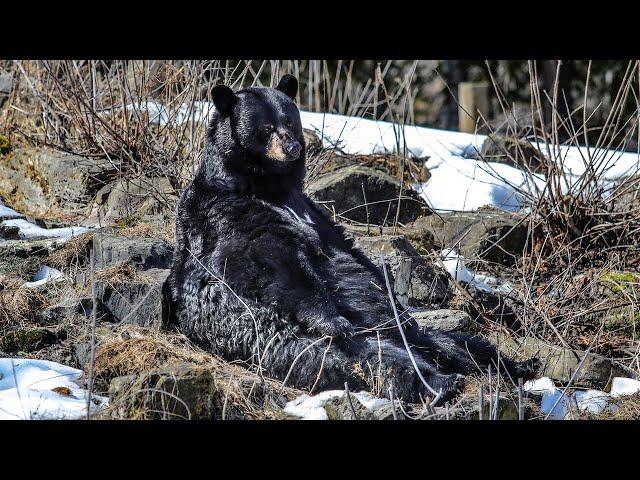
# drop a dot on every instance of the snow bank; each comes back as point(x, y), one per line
point(30, 231)
point(362, 136)
point(39, 389)
point(459, 181)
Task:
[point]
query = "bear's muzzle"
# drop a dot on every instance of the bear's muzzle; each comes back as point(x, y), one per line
point(283, 147)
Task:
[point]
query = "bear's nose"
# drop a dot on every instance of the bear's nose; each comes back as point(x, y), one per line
point(293, 148)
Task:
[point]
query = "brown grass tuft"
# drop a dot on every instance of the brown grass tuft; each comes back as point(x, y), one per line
point(18, 305)
point(120, 274)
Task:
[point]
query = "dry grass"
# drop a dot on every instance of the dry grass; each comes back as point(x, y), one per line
point(164, 230)
point(18, 305)
point(136, 350)
point(122, 273)
point(73, 254)
point(328, 160)
point(140, 351)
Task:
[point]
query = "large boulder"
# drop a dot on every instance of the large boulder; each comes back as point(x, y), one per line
point(442, 319)
point(345, 189)
point(133, 198)
point(416, 281)
point(140, 300)
point(421, 239)
point(487, 234)
point(143, 253)
point(178, 391)
point(41, 182)
point(560, 364)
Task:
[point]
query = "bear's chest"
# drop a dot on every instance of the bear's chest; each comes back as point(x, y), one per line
point(304, 219)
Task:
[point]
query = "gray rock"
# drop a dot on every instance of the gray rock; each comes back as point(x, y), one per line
point(68, 307)
point(43, 182)
point(415, 280)
point(339, 409)
point(143, 253)
point(385, 412)
point(141, 301)
point(512, 151)
point(343, 188)
point(23, 257)
point(27, 340)
point(560, 363)
point(179, 391)
point(132, 198)
point(444, 319)
point(420, 238)
point(488, 234)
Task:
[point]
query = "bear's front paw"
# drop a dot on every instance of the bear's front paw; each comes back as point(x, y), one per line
point(337, 326)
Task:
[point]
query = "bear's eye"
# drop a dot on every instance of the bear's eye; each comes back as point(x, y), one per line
point(266, 129)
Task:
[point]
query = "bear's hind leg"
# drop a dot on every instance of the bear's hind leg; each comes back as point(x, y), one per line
point(466, 354)
point(393, 364)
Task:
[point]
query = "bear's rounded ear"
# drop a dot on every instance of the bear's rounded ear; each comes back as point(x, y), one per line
point(289, 86)
point(224, 99)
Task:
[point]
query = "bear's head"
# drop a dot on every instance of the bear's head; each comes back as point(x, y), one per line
point(257, 130)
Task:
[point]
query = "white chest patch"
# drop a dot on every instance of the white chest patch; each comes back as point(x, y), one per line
point(307, 218)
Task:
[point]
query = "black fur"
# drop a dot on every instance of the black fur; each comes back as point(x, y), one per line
point(261, 275)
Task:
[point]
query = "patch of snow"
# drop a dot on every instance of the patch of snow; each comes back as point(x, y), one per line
point(592, 401)
point(459, 184)
point(7, 213)
point(30, 231)
point(456, 266)
point(453, 161)
point(309, 407)
point(44, 275)
point(370, 402)
point(540, 385)
point(556, 404)
point(624, 386)
point(28, 391)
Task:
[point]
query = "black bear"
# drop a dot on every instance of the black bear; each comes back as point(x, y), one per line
point(262, 275)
